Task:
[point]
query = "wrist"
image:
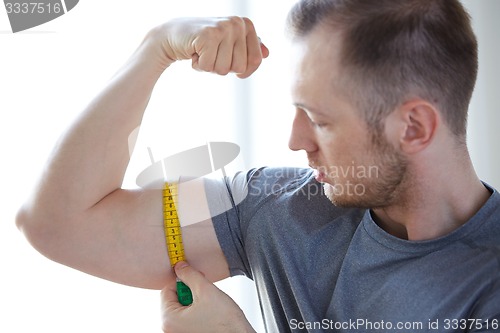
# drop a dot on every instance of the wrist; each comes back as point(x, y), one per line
point(148, 59)
point(154, 51)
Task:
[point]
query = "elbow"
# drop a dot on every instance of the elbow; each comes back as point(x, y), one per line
point(31, 227)
point(41, 234)
point(22, 219)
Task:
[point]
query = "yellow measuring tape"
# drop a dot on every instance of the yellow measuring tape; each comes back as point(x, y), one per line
point(173, 236)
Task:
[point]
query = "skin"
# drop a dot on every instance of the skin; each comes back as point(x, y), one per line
point(79, 194)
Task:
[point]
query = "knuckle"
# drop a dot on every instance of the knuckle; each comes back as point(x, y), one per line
point(233, 25)
point(236, 22)
point(213, 32)
point(248, 23)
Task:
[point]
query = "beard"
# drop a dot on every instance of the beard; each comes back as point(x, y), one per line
point(373, 190)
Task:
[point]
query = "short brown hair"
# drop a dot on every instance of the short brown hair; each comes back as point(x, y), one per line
point(396, 49)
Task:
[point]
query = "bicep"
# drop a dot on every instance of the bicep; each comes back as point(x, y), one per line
point(121, 239)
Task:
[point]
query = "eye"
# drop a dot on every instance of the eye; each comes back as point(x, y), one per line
point(317, 121)
point(318, 125)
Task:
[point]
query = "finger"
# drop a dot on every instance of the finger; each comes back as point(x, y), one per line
point(240, 53)
point(205, 57)
point(232, 55)
point(170, 309)
point(264, 50)
point(169, 300)
point(194, 61)
point(224, 57)
point(254, 52)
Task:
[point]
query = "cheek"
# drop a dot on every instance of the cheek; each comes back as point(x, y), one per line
point(342, 152)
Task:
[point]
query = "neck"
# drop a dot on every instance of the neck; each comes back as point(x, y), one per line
point(437, 206)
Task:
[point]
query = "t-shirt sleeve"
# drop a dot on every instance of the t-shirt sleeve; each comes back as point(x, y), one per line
point(233, 201)
point(224, 197)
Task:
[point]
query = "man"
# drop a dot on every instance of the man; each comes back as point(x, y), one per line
point(381, 91)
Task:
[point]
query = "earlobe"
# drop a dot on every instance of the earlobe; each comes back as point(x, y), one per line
point(420, 123)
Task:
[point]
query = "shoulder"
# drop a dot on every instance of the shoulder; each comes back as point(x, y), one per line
point(254, 186)
point(278, 180)
point(486, 232)
point(488, 218)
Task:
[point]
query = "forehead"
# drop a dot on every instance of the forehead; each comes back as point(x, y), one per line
point(315, 65)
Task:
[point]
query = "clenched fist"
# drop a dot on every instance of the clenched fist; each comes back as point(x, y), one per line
point(217, 45)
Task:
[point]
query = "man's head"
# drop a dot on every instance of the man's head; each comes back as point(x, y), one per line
point(394, 50)
point(364, 59)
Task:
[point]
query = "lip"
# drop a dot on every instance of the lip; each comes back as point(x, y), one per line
point(319, 175)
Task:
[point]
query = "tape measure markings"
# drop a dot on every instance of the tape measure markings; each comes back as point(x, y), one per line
point(173, 237)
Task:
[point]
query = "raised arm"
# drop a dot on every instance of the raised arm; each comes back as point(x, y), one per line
point(79, 215)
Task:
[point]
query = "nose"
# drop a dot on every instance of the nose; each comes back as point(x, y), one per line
point(302, 136)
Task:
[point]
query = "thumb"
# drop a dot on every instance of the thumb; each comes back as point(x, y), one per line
point(190, 276)
point(264, 50)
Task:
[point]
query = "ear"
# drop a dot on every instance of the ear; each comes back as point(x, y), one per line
point(419, 122)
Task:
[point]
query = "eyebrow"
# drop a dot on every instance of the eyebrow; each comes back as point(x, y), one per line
point(309, 109)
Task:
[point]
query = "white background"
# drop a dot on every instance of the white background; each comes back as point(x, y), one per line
point(50, 73)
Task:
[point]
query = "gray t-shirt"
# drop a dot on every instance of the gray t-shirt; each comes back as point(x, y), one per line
point(321, 268)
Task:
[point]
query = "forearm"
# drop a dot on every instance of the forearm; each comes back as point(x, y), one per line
point(90, 160)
